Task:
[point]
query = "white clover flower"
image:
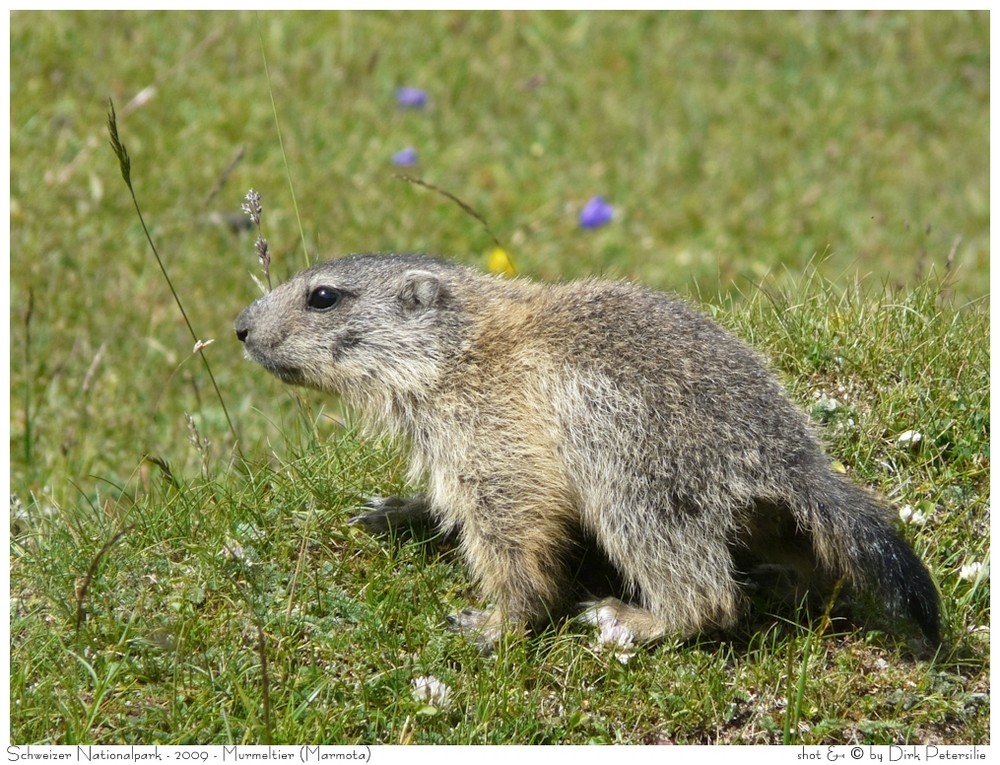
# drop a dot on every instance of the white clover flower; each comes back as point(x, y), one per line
point(915, 517)
point(973, 571)
point(624, 656)
point(827, 404)
point(429, 690)
point(825, 407)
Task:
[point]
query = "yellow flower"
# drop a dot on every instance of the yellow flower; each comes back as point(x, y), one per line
point(499, 262)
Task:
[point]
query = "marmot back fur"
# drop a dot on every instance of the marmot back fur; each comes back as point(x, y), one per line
point(542, 414)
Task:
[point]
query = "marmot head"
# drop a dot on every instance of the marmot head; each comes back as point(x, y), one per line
point(356, 325)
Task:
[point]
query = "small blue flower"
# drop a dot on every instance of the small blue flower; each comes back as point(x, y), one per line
point(411, 98)
point(405, 157)
point(596, 213)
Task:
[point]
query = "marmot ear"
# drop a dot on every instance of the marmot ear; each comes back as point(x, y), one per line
point(420, 291)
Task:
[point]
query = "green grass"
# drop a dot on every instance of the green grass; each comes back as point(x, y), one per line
point(818, 182)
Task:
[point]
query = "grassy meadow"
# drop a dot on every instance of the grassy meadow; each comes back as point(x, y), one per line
point(181, 568)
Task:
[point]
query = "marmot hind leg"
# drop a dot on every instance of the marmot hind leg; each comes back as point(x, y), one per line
point(679, 577)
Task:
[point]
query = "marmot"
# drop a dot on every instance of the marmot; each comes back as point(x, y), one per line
point(540, 415)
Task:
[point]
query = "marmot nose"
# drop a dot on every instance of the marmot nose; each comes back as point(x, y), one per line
point(241, 333)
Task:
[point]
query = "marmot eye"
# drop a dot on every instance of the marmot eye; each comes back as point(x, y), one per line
point(323, 298)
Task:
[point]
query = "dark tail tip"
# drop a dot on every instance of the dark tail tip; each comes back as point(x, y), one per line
point(924, 607)
point(872, 551)
point(904, 580)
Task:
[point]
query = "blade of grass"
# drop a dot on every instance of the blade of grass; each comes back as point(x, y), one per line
point(125, 165)
point(466, 207)
point(793, 708)
point(281, 143)
point(28, 313)
point(81, 593)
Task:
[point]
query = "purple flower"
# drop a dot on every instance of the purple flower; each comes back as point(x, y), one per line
point(405, 157)
point(411, 98)
point(596, 213)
